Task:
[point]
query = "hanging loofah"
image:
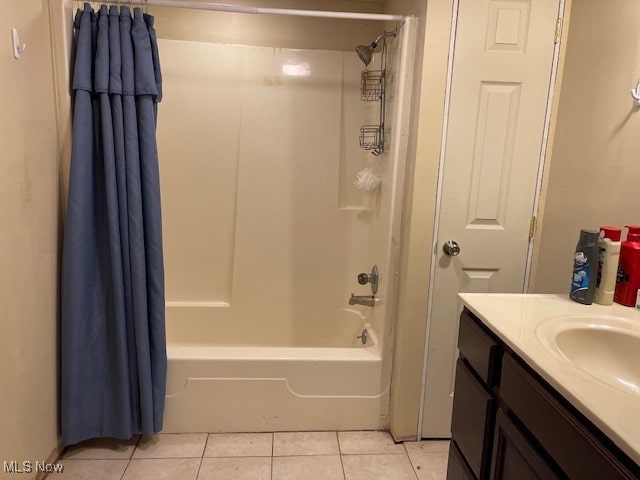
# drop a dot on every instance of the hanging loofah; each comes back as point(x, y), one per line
point(367, 180)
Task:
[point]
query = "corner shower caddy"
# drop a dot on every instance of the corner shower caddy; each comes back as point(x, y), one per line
point(372, 89)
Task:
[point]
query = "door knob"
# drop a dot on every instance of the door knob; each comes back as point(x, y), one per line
point(451, 248)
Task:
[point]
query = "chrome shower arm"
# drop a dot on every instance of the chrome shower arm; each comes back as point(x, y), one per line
point(393, 33)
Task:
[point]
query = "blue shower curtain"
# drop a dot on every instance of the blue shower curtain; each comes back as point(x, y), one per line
point(113, 348)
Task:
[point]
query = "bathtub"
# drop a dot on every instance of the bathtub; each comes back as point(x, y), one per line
point(264, 389)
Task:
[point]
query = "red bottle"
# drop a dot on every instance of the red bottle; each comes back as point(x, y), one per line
point(628, 279)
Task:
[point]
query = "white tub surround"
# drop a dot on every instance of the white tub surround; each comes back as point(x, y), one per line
point(528, 324)
point(261, 336)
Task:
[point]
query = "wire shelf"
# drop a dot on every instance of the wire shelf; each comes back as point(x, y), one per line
point(371, 137)
point(371, 85)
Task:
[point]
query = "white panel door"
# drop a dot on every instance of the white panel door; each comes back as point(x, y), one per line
point(501, 73)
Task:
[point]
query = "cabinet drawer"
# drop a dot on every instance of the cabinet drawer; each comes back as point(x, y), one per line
point(514, 457)
point(457, 468)
point(471, 424)
point(479, 349)
point(573, 447)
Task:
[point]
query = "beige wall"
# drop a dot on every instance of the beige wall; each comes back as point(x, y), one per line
point(593, 172)
point(432, 53)
point(28, 238)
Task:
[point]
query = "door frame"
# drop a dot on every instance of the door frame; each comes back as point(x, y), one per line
point(544, 155)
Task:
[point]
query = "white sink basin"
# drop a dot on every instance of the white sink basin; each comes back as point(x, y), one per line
point(604, 347)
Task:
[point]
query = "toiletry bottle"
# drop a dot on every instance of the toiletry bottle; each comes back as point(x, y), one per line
point(585, 268)
point(608, 256)
point(628, 279)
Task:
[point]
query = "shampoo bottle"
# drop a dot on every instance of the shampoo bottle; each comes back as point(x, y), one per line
point(585, 268)
point(608, 256)
point(628, 279)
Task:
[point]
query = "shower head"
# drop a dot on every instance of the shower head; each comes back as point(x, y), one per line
point(365, 52)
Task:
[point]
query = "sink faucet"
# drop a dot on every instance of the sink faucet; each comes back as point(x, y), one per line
point(368, 300)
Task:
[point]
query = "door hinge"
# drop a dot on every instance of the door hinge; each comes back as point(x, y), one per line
point(558, 30)
point(532, 227)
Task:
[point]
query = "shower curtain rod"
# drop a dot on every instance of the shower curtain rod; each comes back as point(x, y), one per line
point(219, 7)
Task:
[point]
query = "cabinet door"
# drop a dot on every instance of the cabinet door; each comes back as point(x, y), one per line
point(514, 457)
point(457, 468)
point(472, 422)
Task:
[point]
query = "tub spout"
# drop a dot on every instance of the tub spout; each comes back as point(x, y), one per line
point(368, 300)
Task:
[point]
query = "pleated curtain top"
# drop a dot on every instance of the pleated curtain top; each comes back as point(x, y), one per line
point(117, 53)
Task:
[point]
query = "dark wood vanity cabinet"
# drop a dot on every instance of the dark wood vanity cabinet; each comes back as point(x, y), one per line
point(509, 424)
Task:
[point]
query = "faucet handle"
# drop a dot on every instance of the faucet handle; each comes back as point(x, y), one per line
point(372, 278)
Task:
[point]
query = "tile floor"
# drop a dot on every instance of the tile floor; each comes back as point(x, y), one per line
point(256, 456)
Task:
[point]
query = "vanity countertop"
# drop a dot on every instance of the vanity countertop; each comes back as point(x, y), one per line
point(522, 322)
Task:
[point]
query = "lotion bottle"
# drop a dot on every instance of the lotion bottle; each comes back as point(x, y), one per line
point(608, 256)
point(585, 268)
